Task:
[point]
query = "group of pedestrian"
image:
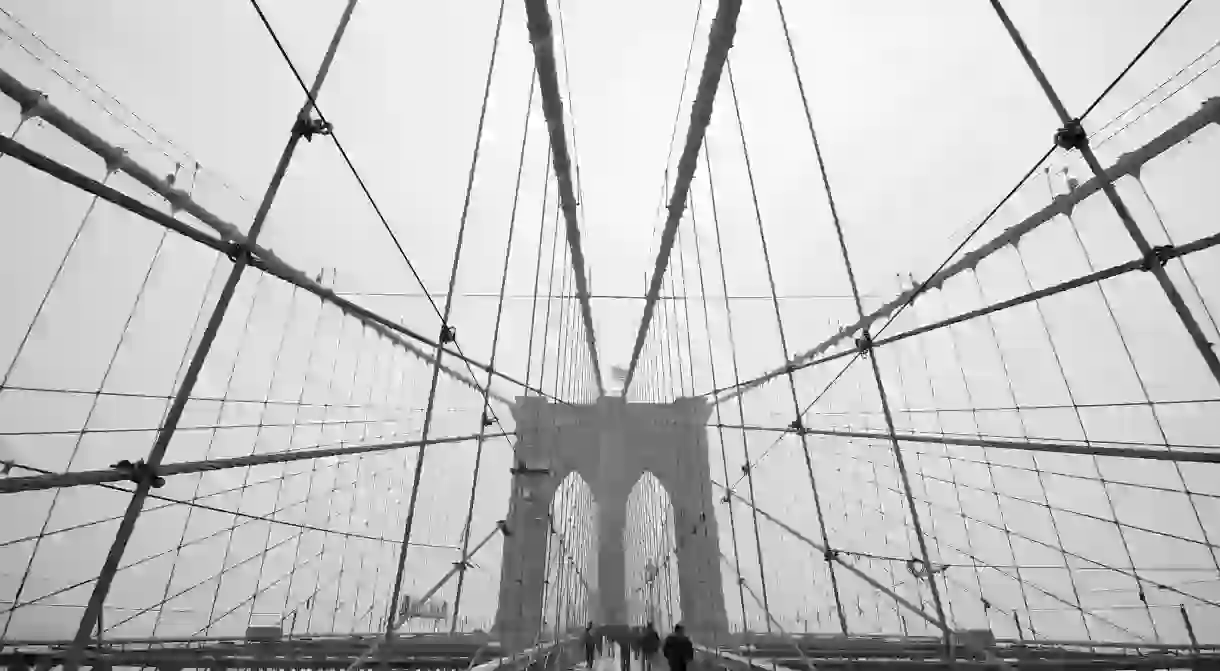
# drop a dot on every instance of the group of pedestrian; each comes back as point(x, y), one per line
point(677, 649)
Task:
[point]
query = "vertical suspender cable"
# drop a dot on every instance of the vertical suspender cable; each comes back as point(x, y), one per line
point(783, 343)
point(741, 412)
point(1072, 136)
point(865, 338)
point(724, 459)
point(106, 576)
point(495, 343)
point(440, 344)
point(724, 27)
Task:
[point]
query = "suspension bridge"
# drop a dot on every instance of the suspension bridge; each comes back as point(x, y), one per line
point(372, 407)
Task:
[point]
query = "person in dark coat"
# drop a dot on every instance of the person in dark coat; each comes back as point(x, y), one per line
point(650, 643)
point(678, 649)
point(590, 639)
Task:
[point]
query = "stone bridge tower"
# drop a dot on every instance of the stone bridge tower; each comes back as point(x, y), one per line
point(611, 444)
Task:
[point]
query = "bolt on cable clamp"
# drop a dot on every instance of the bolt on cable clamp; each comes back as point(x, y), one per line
point(139, 472)
point(239, 251)
point(1157, 257)
point(830, 554)
point(307, 127)
point(487, 421)
point(864, 344)
point(448, 334)
point(796, 425)
point(1071, 136)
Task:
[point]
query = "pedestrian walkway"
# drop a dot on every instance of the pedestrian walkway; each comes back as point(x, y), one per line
point(609, 660)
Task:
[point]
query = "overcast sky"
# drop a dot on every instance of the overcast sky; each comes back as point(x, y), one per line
point(926, 115)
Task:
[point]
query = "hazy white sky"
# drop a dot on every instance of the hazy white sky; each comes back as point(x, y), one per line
point(926, 116)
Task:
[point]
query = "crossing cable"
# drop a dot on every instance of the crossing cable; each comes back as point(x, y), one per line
point(369, 490)
point(728, 310)
point(396, 620)
point(194, 503)
point(447, 332)
point(1204, 456)
point(774, 444)
point(539, 23)
point(495, 343)
point(837, 557)
point(904, 402)
point(1190, 276)
point(123, 535)
point(876, 482)
point(720, 39)
point(237, 359)
point(1071, 394)
point(771, 619)
point(96, 398)
point(292, 434)
point(139, 472)
point(1022, 582)
point(1136, 59)
point(1164, 253)
point(231, 243)
point(331, 508)
point(1072, 136)
point(783, 343)
point(1076, 606)
point(986, 456)
point(1129, 164)
point(1139, 378)
point(1078, 556)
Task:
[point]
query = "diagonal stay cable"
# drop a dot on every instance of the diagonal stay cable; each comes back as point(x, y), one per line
point(495, 344)
point(313, 102)
point(538, 20)
point(194, 503)
point(1128, 164)
point(230, 241)
point(445, 329)
point(720, 39)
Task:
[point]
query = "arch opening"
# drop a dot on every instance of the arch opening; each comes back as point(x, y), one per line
point(570, 582)
point(650, 546)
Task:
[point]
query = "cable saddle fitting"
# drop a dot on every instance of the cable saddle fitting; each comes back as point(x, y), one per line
point(307, 128)
point(1071, 136)
point(864, 344)
point(139, 473)
point(239, 251)
point(1157, 256)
